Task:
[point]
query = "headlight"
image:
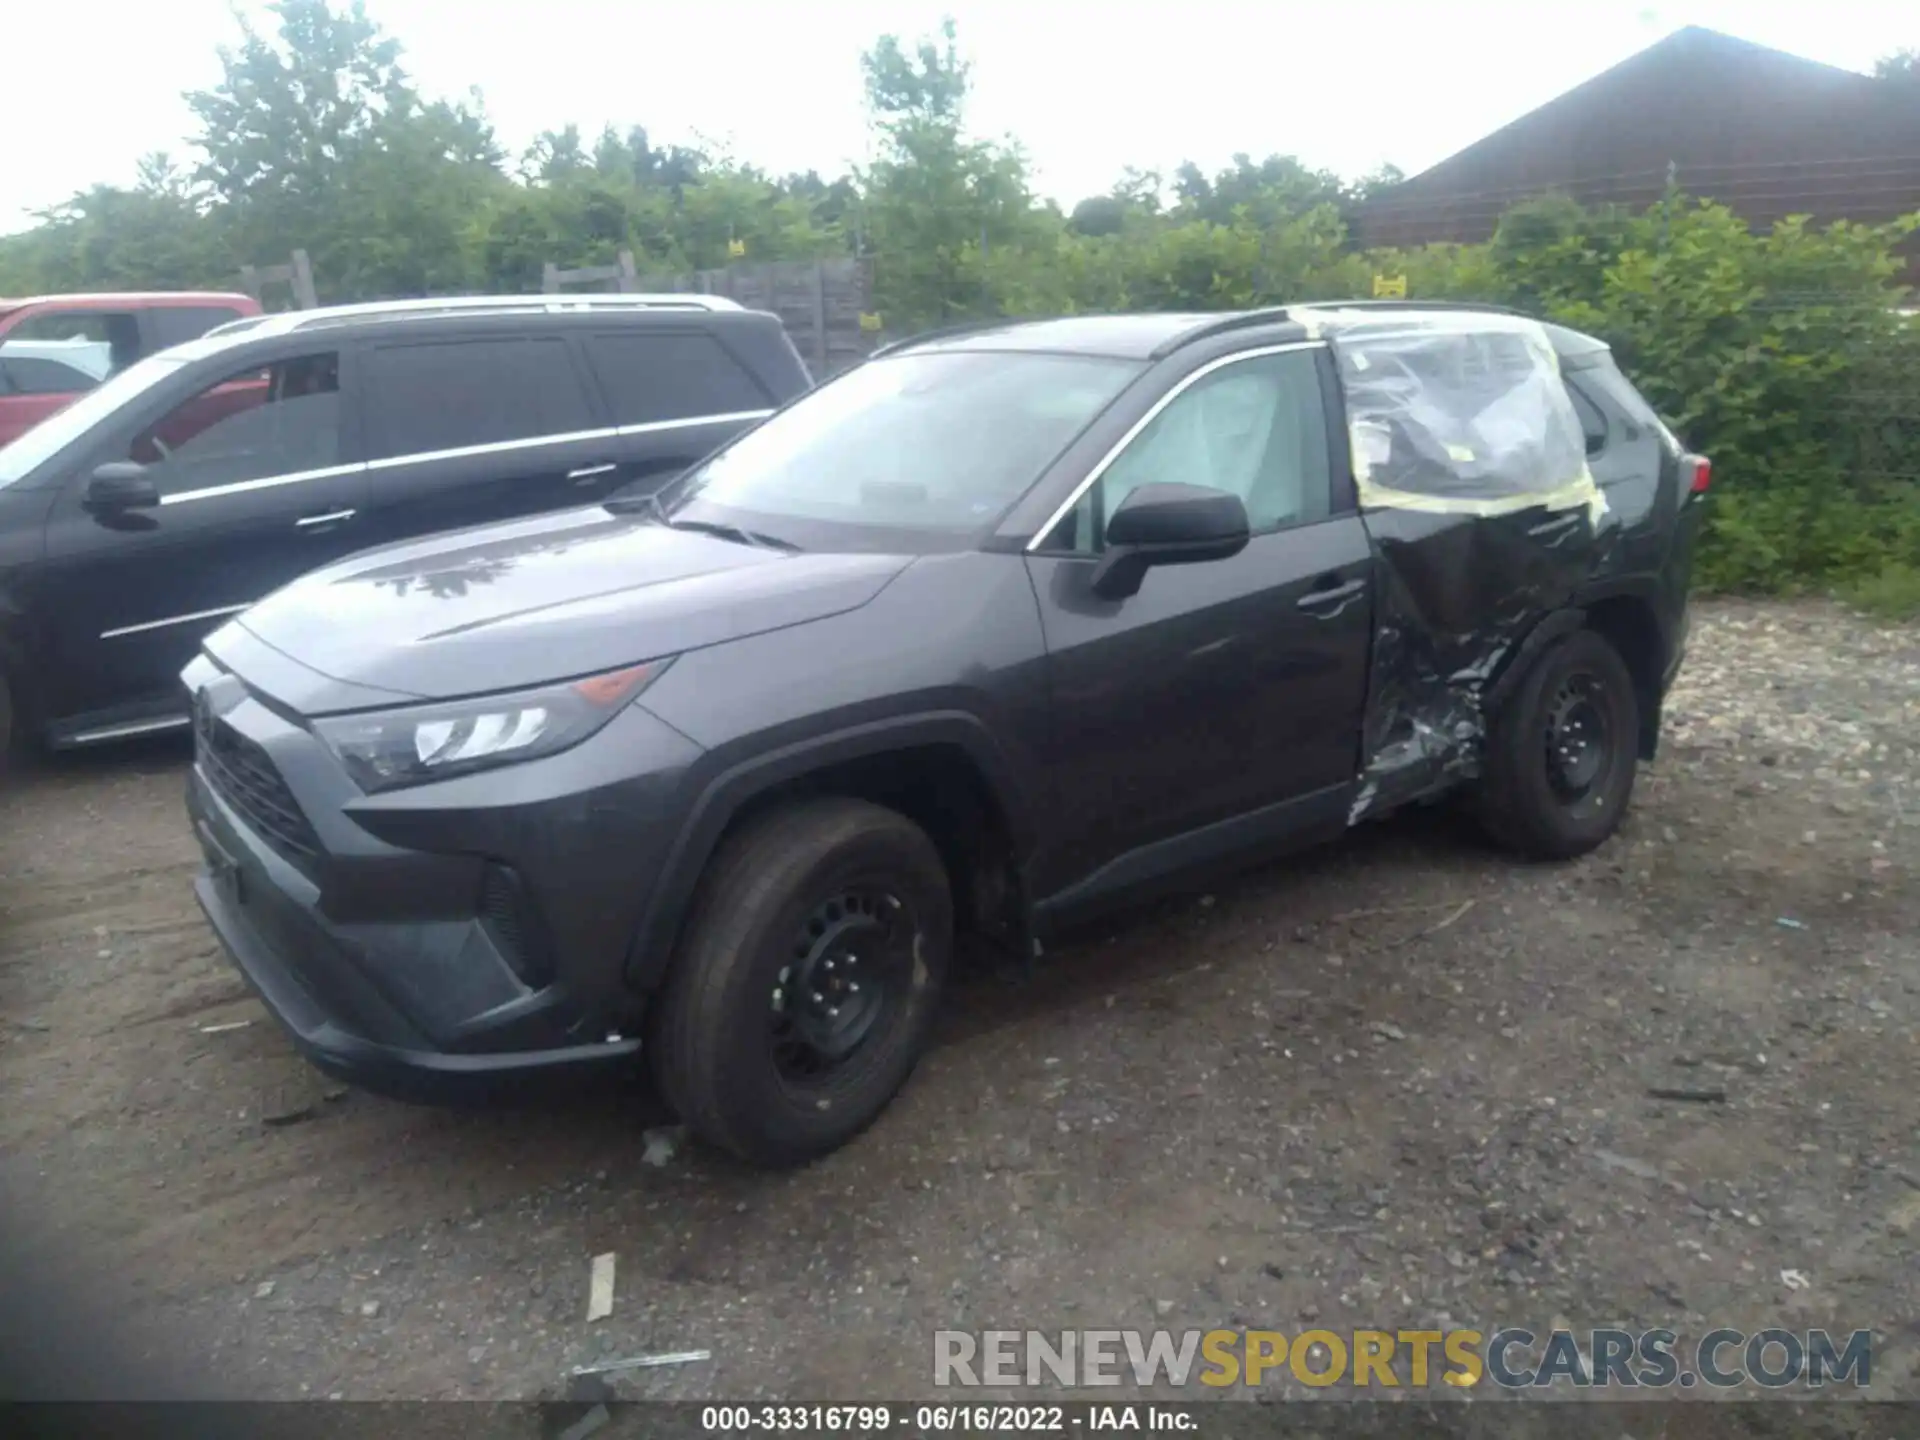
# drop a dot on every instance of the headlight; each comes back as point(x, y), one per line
point(389, 748)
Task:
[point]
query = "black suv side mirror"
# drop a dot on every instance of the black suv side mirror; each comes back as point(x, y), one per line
point(1167, 525)
point(121, 485)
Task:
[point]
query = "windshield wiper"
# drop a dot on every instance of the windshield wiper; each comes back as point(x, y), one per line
point(734, 533)
point(650, 504)
point(621, 503)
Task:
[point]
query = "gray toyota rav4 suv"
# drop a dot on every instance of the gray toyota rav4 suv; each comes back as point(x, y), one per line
point(1007, 625)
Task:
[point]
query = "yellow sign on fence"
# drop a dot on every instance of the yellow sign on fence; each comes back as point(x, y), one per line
point(736, 248)
point(1389, 287)
point(869, 321)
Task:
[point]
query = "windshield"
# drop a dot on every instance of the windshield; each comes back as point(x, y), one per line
point(926, 442)
point(66, 425)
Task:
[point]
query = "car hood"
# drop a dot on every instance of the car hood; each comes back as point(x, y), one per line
point(547, 598)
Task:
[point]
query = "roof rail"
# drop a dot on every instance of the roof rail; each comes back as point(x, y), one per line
point(1468, 305)
point(946, 332)
point(1232, 320)
point(292, 320)
point(1279, 314)
point(234, 327)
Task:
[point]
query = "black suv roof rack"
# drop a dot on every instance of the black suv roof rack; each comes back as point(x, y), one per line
point(287, 321)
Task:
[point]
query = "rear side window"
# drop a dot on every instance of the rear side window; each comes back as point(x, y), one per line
point(1592, 423)
point(448, 395)
point(177, 324)
point(1607, 383)
point(103, 342)
point(27, 375)
point(650, 377)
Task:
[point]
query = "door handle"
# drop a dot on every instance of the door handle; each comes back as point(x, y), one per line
point(332, 517)
point(1331, 596)
point(588, 472)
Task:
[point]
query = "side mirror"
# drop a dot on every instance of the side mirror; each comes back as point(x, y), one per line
point(1167, 525)
point(121, 485)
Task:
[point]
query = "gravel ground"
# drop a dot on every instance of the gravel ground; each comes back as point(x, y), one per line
point(1398, 1083)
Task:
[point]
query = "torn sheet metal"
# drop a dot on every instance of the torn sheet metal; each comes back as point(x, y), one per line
point(1471, 471)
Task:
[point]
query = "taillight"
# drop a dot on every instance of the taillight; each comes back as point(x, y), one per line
point(1702, 474)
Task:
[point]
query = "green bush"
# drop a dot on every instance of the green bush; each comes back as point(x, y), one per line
point(1893, 593)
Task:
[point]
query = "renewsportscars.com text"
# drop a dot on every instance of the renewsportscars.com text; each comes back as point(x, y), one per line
point(1511, 1358)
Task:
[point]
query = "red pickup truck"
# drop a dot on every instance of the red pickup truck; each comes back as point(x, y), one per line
point(55, 347)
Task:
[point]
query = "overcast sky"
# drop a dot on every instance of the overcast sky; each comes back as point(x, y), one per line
point(1087, 87)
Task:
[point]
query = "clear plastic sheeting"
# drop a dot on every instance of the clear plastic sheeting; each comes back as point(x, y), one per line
point(1457, 412)
point(1471, 471)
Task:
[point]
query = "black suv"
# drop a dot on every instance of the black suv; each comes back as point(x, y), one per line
point(205, 477)
point(1002, 627)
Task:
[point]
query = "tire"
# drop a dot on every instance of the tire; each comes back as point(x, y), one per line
point(746, 1005)
point(1562, 752)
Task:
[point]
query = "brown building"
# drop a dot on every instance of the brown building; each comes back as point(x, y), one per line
point(1766, 133)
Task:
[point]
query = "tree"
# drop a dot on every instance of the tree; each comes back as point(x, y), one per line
point(288, 109)
point(1902, 66)
point(1136, 199)
point(1275, 189)
point(113, 238)
point(1374, 182)
point(554, 155)
point(935, 204)
point(316, 139)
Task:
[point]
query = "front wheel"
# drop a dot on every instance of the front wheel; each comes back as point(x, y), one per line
point(1562, 753)
point(806, 982)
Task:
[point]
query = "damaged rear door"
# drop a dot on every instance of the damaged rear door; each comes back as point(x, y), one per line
point(1470, 465)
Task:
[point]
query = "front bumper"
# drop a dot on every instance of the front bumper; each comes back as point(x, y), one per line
point(367, 925)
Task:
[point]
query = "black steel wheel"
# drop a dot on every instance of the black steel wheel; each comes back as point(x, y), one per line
point(1579, 743)
point(1562, 755)
point(802, 993)
point(850, 977)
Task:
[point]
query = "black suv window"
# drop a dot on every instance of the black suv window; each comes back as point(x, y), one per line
point(177, 324)
point(279, 419)
point(650, 377)
point(453, 394)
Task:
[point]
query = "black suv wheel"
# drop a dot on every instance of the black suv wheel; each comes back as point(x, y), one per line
point(1561, 754)
point(806, 982)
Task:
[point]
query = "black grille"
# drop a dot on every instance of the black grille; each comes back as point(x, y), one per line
point(246, 778)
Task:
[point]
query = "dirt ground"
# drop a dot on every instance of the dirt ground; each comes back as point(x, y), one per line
point(1399, 1083)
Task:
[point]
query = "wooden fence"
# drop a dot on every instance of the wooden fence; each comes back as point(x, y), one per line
point(825, 305)
point(297, 275)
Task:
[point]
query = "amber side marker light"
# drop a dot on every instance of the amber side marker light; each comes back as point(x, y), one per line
point(615, 685)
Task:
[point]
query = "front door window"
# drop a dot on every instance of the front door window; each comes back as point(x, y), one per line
point(278, 419)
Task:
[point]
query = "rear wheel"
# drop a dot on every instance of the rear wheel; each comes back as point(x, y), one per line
point(1562, 753)
point(806, 983)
